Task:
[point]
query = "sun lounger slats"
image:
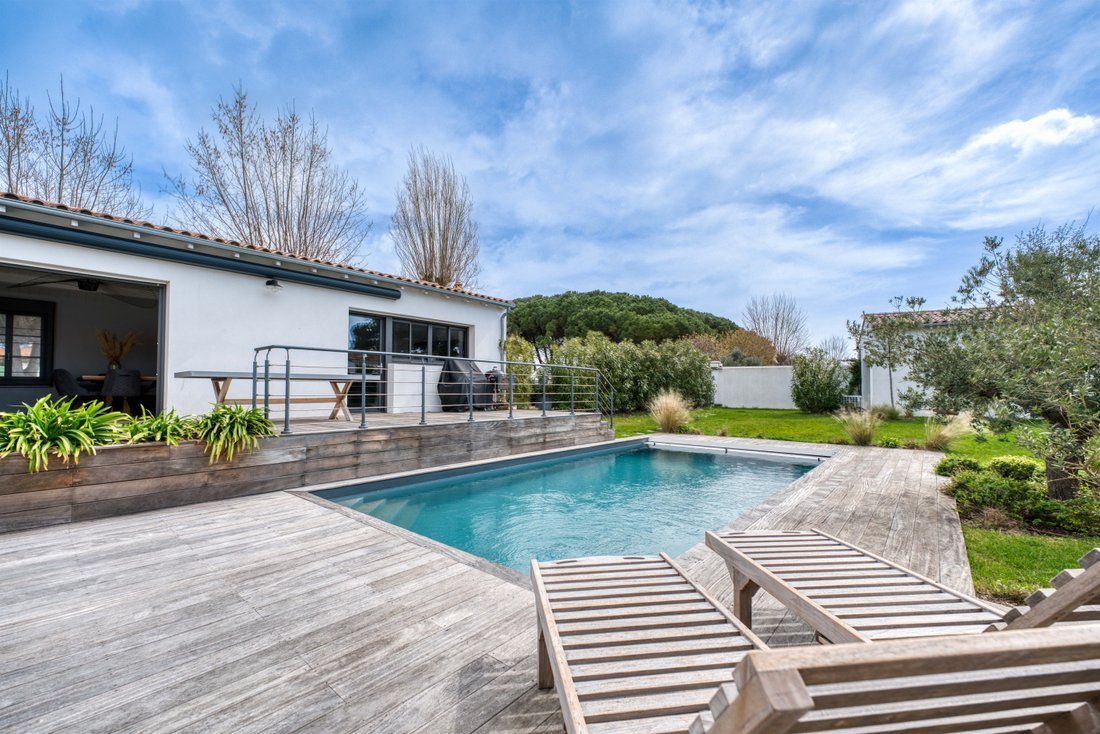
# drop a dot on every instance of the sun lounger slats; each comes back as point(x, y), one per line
point(843, 592)
point(1075, 598)
point(1041, 681)
point(631, 644)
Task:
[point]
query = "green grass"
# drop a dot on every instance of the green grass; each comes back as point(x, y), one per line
point(1009, 566)
point(793, 425)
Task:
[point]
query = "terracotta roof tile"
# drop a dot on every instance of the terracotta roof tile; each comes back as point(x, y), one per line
point(246, 246)
point(931, 317)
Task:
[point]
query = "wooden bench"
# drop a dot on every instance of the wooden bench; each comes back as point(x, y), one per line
point(1044, 681)
point(341, 386)
point(631, 643)
point(847, 594)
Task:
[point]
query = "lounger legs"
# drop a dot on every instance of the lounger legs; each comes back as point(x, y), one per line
point(546, 673)
point(743, 592)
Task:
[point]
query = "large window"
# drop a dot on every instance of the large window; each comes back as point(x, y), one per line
point(436, 340)
point(26, 340)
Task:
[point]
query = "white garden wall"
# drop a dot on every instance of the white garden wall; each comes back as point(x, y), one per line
point(753, 387)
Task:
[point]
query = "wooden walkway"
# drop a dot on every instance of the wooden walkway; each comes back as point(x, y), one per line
point(273, 613)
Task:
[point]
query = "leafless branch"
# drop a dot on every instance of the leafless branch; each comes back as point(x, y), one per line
point(271, 186)
point(780, 319)
point(433, 227)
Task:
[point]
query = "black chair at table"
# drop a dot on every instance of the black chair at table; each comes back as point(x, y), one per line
point(124, 384)
point(67, 387)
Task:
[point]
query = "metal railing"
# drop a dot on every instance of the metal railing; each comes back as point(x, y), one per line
point(366, 381)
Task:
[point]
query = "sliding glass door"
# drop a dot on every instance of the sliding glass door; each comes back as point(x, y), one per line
point(368, 332)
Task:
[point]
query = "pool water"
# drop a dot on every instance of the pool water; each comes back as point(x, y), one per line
point(624, 502)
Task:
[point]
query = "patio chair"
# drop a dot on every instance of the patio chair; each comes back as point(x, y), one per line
point(66, 386)
point(847, 594)
point(123, 384)
point(1045, 681)
point(632, 644)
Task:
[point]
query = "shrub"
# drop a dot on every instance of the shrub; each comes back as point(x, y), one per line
point(670, 410)
point(516, 349)
point(817, 382)
point(637, 371)
point(940, 434)
point(949, 466)
point(229, 429)
point(888, 443)
point(859, 425)
point(886, 412)
point(1026, 501)
point(167, 427)
point(57, 428)
point(1016, 467)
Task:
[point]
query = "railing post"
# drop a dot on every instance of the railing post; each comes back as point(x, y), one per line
point(286, 396)
point(612, 423)
point(423, 394)
point(255, 374)
point(362, 391)
point(571, 392)
point(267, 385)
point(511, 381)
point(469, 393)
point(596, 404)
point(544, 392)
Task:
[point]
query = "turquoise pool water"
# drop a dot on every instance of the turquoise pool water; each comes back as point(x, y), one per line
point(635, 501)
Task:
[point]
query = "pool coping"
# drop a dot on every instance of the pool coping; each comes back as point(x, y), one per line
point(503, 572)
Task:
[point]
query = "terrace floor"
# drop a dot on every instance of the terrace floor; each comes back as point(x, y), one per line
point(274, 613)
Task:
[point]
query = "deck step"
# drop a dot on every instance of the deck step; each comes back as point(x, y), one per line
point(407, 515)
point(387, 511)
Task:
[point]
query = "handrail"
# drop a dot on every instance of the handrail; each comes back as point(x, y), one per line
point(554, 386)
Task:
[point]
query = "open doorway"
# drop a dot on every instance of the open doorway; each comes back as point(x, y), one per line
point(53, 320)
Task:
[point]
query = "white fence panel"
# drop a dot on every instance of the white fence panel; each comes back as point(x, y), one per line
point(753, 387)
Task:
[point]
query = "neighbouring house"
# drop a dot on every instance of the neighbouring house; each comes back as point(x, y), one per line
point(875, 381)
point(201, 304)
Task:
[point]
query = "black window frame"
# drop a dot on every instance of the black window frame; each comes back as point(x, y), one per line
point(12, 307)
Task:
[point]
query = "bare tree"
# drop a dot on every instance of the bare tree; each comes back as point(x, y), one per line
point(65, 156)
point(272, 186)
point(433, 227)
point(780, 319)
point(836, 347)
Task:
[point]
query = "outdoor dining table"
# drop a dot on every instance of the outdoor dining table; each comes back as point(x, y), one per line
point(341, 387)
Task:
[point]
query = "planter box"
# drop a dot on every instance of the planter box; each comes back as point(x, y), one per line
point(123, 479)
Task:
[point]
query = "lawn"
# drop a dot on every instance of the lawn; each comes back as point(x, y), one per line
point(1009, 566)
point(793, 425)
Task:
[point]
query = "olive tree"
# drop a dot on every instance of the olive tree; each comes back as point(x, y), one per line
point(887, 339)
point(1023, 349)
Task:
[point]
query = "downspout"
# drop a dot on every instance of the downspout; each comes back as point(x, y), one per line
point(503, 331)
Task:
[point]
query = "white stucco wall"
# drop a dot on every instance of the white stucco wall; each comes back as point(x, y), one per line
point(753, 387)
point(214, 319)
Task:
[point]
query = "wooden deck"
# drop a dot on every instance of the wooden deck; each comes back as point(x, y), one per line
point(397, 420)
point(274, 613)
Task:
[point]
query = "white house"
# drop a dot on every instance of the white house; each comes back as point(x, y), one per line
point(204, 304)
point(876, 380)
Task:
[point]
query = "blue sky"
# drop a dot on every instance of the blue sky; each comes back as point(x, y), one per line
point(842, 152)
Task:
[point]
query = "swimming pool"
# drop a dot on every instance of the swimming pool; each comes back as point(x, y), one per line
point(632, 499)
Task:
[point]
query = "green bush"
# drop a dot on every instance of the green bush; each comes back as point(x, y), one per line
point(57, 428)
point(516, 349)
point(1026, 501)
point(818, 382)
point(1016, 467)
point(888, 443)
point(229, 429)
point(638, 372)
point(167, 427)
point(948, 466)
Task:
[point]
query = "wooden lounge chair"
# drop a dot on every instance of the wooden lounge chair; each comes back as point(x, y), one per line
point(631, 643)
point(847, 594)
point(1044, 681)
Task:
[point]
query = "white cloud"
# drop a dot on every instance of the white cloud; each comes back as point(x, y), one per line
point(1057, 127)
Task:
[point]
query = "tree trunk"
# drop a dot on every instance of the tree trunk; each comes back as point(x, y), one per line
point(1061, 484)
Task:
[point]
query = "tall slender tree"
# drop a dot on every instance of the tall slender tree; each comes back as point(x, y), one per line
point(433, 227)
point(272, 185)
point(780, 320)
point(64, 155)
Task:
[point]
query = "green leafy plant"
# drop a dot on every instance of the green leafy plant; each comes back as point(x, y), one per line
point(1016, 467)
point(229, 429)
point(1026, 501)
point(888, 443)
point(949, 466)
point(167, 427)
point(940, 434)
point(859, 425)
point(56, 428)
point(818, 382)
point(670, 410)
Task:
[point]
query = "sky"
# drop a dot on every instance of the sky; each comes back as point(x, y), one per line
point(841, 152)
